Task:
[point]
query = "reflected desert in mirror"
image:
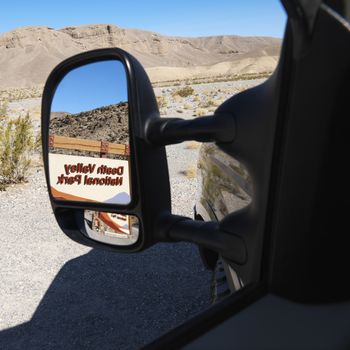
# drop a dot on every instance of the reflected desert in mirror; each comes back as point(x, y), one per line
point(111, 228)
point(89, 135)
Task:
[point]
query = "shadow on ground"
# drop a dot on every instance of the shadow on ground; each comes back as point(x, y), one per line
point(104, 300)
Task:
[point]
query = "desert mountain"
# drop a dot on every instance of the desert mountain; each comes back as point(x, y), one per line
point(28, 54)
point(109, 123)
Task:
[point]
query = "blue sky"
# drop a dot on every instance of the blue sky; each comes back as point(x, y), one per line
point(177, 17)
point(91, 86)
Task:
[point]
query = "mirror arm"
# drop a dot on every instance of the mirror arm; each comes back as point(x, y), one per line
point(209, 235)
point(167, 131)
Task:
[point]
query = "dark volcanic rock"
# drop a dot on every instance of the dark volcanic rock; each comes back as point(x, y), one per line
point(109, 123)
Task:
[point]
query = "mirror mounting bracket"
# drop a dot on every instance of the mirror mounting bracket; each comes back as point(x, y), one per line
point(219, 128)
point(206, 234)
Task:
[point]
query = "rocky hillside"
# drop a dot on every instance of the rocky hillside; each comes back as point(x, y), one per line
point(108, 123)
point(28, 54)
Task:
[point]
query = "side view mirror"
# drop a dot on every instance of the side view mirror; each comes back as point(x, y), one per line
point(105, 160)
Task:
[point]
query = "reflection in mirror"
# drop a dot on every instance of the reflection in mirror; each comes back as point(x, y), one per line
point(224, 182)
point(89, 135)
point(111, 228)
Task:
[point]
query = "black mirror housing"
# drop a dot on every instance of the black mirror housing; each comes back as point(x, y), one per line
point(148, 163)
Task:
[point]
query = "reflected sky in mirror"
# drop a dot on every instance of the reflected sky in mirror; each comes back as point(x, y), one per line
point(91, 86)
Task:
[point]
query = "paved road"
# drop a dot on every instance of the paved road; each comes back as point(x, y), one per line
point(56, 294)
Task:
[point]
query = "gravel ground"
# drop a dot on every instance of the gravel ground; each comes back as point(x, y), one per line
point(204, 100)
point(56, 294)
point(183, 188)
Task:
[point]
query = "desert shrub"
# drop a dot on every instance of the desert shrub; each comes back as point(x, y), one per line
point(177, 98)
point(3, 110)
point(200, 112)
point(37, 143)
point(162, 102)
point(16, 147)
point(190, 172)
point(207, 104)
point(185, 91)
point(219, 101)
point(192, 145)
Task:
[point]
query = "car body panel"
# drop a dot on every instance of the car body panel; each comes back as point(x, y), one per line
point(313, 327)
point(224, 183)
point(224, 186)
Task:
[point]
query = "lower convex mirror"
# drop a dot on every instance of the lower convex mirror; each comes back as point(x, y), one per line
point(111, 228)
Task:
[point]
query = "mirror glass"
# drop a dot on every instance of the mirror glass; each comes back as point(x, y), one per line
point(111, 228)
point(89, 135)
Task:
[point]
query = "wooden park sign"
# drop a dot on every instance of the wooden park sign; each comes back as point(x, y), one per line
point(89, 179)
point(102, 147)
